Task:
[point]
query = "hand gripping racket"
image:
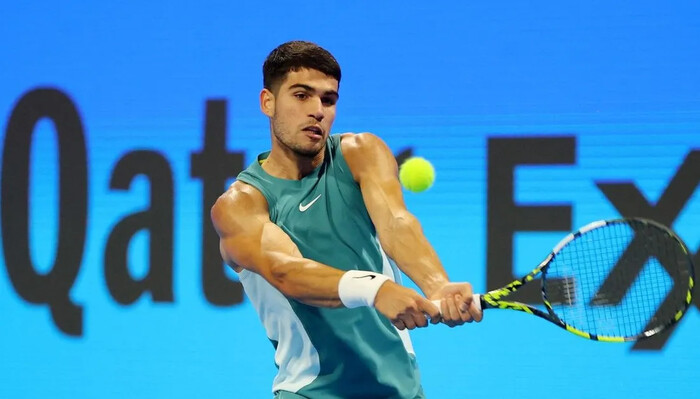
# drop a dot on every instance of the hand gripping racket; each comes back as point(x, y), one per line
point(612, 280)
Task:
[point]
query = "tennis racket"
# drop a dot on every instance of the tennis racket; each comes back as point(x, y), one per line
point(612, 280)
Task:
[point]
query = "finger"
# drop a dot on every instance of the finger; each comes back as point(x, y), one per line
point(466, 317)
point(408, 321)
point(465, 301)
point(430, 309)
point(452, 311)
point(399, 324)
point(419, 318)
point(463, 317)
point(475, 311)
point(463, 305)
point(444, 310)
point(434, 319)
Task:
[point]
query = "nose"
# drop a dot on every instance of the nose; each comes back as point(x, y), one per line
point(316, 110)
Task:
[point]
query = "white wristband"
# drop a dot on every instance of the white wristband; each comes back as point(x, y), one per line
point(359, 288)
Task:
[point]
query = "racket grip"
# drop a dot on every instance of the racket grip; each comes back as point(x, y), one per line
point(476, 298)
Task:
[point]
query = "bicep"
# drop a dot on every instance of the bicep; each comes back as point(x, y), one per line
point(248, 239)
point(258, 247)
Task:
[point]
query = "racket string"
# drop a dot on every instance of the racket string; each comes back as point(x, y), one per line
point(619, 281)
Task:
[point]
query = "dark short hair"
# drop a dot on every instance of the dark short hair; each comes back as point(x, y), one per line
point(295, 55)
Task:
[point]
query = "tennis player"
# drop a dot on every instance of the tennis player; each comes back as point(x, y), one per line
point(316, 228)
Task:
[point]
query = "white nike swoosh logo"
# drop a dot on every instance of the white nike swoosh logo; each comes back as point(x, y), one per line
point(303, 208)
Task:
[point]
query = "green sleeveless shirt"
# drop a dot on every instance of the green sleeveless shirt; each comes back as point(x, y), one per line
point(323, 352)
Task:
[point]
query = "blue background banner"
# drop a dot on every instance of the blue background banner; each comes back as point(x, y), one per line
point(588, 110)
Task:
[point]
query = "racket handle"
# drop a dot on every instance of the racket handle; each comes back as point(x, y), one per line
point(476, 298)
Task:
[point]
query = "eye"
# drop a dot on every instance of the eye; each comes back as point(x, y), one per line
point(301, 96)
point(328, 101)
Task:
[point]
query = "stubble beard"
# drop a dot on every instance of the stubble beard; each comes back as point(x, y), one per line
point(284, 136)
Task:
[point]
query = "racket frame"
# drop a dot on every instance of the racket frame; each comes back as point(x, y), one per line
point(492, 299)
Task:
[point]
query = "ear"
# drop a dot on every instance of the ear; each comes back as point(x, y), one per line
point(267, 102)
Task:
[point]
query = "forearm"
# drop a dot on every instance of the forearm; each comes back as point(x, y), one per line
point(305, 280)
point(319, 285)
point(405, 243)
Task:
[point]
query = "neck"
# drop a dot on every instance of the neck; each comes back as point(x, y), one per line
point(284, 163)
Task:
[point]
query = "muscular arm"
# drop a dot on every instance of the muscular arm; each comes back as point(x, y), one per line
point(374, 168)
point(250, 240)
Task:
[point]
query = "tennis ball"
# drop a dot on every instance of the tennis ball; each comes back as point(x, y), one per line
point(417, 174)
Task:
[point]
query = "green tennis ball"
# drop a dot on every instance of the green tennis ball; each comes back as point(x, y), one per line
point(417, 174)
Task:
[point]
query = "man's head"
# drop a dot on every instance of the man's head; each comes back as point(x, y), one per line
point(301, 83)
point(293, 56)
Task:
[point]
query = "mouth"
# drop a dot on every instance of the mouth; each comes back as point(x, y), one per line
point(314, 131)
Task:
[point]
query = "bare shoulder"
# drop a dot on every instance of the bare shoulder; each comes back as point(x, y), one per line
point(358, 143)
point(239, 217)
point(237, 206)
point(367, 154)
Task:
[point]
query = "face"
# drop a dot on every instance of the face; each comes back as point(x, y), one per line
point(302, 111)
